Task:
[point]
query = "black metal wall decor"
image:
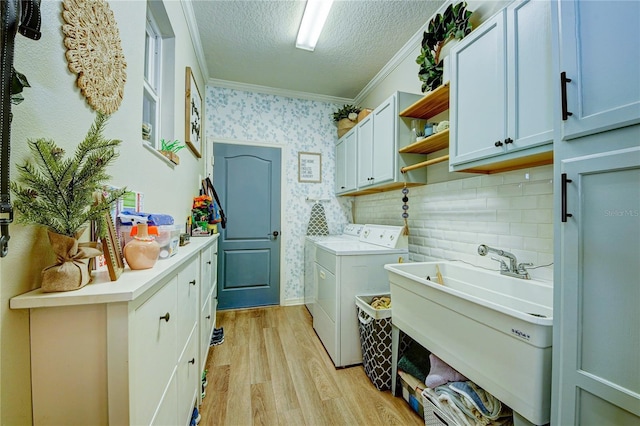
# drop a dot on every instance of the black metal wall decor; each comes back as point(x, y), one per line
point(21, 16)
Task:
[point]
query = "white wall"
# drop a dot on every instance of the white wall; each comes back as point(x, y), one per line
point(54, 108)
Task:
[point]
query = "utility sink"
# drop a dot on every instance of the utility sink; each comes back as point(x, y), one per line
point(494, 329)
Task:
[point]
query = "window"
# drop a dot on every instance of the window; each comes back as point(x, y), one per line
point(158, 92)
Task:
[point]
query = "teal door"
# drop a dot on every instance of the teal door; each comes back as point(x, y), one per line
point(247, 180)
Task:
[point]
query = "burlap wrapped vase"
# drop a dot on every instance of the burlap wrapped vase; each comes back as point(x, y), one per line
point(71, 270)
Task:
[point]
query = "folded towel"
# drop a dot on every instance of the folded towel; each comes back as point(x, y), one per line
point(415, 361)
point(486, 404)
point(445, 403)
point(441, 373)
point(463, 400)
point(130, 217)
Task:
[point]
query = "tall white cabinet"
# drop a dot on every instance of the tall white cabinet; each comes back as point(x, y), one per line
point(596, 368)
point(124, 352)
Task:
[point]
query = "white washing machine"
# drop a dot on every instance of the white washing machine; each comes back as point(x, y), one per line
point(344, 269)
point(351, 232)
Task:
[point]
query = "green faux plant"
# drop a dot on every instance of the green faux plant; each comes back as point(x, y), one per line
point(346, 112)
point(58, 192)
point(452, 24)
point(174, 146)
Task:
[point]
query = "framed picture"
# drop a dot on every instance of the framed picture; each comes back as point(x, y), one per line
point(111, 249)
point(309, 167)
point(193, 115)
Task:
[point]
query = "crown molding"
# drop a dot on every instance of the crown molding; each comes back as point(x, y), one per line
point(277, 92)
point(398, 58)
point(190, 18)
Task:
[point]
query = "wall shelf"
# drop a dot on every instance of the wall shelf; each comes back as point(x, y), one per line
point(430, 144)
point(433, 103)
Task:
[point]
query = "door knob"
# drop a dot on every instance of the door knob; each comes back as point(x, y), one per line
point(498, 144)
point(508, 141)
point(275, 234)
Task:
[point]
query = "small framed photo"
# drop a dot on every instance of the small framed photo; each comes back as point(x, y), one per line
point(310, 167)
point(193, 115)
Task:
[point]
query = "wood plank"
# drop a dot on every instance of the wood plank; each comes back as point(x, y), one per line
point(263, 404)
point(281, 379)
point(303, 386)
point(260, 372)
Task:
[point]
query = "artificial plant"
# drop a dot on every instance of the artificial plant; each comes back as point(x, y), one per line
point(58, 192)
point(347, 111)
point(452, 24)
point(174, 146)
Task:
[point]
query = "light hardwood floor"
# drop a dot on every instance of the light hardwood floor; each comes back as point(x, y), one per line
point(273, 370)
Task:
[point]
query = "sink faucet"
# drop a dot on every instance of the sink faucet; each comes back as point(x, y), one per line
point(514, 269)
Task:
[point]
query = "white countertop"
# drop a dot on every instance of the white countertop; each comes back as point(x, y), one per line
point(128, 287)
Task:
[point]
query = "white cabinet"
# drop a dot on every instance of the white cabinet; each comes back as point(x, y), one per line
point(599, 70)
point(346, 164)
point(124, 352)
point(365, 152)
point(208, 300)
point(596, 373)
point(380, 135)
point(501, 92)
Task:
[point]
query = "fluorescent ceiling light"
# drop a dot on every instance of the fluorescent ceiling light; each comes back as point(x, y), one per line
point(315, 15)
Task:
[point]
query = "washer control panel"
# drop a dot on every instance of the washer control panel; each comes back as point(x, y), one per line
point(384, 235)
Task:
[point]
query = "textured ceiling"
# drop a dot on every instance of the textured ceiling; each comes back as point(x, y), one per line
point(253, 42)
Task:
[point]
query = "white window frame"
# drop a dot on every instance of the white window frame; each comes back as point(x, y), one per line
point(152, 91)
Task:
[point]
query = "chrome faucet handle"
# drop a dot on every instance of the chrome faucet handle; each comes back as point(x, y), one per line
point(522, 266)
point(503, 266)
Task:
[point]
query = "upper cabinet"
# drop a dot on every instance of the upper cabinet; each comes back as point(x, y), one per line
point(346, 162)
point(501, 92)
point(599, 70)
point(379, 137)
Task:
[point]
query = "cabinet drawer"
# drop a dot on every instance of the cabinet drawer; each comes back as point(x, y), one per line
point(188, 374)
point(154, 350)
point(207, 321)
point(188, 292)
point(166, 413)
point(208, 268)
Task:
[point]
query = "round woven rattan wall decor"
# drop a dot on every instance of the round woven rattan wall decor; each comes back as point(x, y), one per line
point(94, 52)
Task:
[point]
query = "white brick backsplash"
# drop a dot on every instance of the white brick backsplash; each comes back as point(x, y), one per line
point(512, 211)
point(537, 216)
point(511, 190)
point(524, 229)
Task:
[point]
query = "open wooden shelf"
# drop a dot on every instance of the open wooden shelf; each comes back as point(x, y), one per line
point(428, 145)
point(433, 103)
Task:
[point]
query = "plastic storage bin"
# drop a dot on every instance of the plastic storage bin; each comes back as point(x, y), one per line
point(168, 237)
point(433, 415)
point(375, 337)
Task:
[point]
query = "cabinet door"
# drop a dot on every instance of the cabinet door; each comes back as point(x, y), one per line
point(189, 380)
point(599, 45)
point(167, 413)
point(154, 350)
point(188, 294)
point(351, 150)
point(596, 338)
point(529, 75)
point(478, 93)
point(365, 152)
point(384, 141)
point(341, 163)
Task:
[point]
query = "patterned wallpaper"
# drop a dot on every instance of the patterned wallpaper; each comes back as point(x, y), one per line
point(298, 126)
